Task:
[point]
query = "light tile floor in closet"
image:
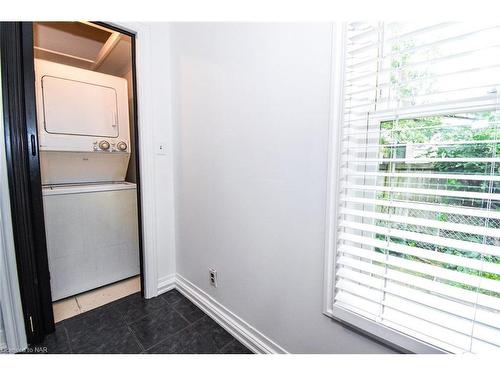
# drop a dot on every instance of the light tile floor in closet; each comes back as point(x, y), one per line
point(87, 301)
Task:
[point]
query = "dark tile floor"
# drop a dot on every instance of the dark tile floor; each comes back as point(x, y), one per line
point(169, 323)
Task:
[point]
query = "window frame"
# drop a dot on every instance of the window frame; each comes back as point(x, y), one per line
point(393, 338)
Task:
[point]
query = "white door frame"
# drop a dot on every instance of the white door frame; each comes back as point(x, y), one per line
point(146, 143)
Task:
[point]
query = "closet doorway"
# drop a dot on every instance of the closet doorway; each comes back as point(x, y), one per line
point(70, 104)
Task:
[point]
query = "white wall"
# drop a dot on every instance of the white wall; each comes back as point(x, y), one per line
point(251, 109)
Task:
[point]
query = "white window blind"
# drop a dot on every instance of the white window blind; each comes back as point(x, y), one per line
point(418, 244)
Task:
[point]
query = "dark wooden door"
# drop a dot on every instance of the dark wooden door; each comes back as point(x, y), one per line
point(23, 168)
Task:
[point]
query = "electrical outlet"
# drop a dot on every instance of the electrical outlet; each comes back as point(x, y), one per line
point(212, 275)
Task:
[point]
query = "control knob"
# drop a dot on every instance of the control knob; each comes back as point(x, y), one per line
point(104, 145)
point(122, 146)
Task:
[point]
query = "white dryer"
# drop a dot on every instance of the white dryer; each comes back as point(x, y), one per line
point(90, 212)
point(83, 124)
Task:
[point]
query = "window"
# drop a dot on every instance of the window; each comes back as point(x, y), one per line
point(416, 253)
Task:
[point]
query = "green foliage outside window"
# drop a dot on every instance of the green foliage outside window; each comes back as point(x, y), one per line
point(434, 132)
point(426, 137)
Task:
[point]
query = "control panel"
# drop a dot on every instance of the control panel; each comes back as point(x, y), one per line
point(104, 145)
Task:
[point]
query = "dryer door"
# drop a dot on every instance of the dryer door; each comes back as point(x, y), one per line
point(79, 108)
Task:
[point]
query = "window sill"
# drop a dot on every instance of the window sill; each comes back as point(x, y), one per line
point(389, 337)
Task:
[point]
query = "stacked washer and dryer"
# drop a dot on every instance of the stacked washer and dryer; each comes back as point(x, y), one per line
point(90, 210)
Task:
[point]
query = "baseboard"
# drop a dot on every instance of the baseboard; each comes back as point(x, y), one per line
point(166, 283)
point(241, 330)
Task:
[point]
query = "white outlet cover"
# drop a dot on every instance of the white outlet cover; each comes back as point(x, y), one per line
point(212, 277)
point(161, 148)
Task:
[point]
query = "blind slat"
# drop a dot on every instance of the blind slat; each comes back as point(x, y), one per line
point(447, 301)
point(441, 193)
point(425, 160)
point(423, 268)
point(416, 308)
point(429, 285)
point(476, 88)
point(367, 146)
point(406, 316)
point(416, 205)
point(456, 210)
point(374, 73)
point(480, 230)
point(422, 237)
point(424, 45)
point(363, 131)
point(424, 253)
point(445, 176)
point(453, 308)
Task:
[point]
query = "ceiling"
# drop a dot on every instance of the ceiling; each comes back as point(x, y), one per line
point(84, 45)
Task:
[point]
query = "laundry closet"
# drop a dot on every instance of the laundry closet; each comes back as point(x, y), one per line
point(86, 129)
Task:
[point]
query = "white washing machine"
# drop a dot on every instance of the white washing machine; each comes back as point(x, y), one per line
point(92, 235)
point(90, 211)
